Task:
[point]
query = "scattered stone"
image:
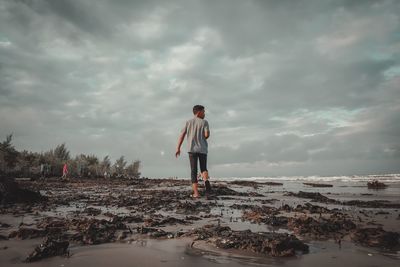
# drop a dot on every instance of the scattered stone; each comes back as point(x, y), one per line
point(92, 211)
point(272, 244)
point(192, 218)
point(49, 248)
point(4, 225)
point(10, 192)
point(245, 183)
point(169, 220)
point(27, 233)
point(192, 207)
point(222, 190)
point(318, 185)
point(153, 232)
point(372, 204)
point(382, 213)
point(93, 231)
point(315, 196)
point(376, 237)
point(272, 183)
point(321, 228)
point(375, 184)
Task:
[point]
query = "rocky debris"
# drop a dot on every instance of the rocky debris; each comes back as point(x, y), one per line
point(272, 244)
point(27, 233)
point(92, 211)
point(310, 208)
point(243, 206)
point(165, 221)
point(49, 248)
point(53, 225)
point(376, 237)
point(255, 217)
point(192, 218)
point(222, 190)
point(321, 228)
point(318, 185)
point(272, 183)
point(128, 219)
point(93, 231)
point(4, 225)
point(10, 192)
point(382, 213)
point(192, 207)
point(268, 201)
point(254, 184)
point(315, 196)
point(245, 183)
point(375, 184)
point(372, 204)
point(154, 232)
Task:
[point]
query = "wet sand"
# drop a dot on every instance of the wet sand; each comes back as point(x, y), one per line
point(153, 223)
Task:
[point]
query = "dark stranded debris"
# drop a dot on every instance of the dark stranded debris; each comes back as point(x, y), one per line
point(376, 237)
point(266, 243)
point(376, 185)
point(318, 185)
point(10, 192)
point(48, 248)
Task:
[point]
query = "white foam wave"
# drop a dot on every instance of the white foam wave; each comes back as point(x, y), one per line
point(386, 178)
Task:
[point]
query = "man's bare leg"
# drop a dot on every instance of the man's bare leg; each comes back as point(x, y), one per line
point(195, 190)
point(206, 182)
point(204, 175)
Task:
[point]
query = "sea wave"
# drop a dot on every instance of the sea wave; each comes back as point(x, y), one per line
point(388, 178)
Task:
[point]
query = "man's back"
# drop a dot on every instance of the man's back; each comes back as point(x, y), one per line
point(195, 129)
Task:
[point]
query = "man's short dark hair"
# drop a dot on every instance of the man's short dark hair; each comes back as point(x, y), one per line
point(197, 108)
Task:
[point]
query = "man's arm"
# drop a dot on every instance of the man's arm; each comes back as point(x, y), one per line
point(180, 141)
point(206, 133)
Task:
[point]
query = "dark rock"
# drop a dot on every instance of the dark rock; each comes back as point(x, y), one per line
point(93, 231)
point(221, 190)
point(166, 221)
point(376, 185)
point(372, 204)
point(48, 248)
point(321, 228)
point(376, 237)
point(318, 185)
point(10, 192)
point(27, 233)
point(4, 225)
point(192, 218)
point(92, 211)
point(153, 232)
point(315, 196)
point(192, 207)
point(245, 183)
point(273, 244)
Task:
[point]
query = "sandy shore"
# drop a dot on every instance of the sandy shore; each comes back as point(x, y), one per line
point(155, 223)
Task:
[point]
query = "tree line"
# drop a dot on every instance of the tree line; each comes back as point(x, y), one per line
point(50, 163)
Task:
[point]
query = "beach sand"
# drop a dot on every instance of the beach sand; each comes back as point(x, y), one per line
point(153, 222)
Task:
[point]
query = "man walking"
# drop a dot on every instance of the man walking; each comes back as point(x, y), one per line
point(197, 131)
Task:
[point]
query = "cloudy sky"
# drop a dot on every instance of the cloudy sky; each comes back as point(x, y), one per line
point(290, 87)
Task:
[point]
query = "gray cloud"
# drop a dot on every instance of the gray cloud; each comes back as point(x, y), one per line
point(290, 87)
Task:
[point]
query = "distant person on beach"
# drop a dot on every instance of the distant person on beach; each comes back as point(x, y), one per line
point(65, 171)
point(197, 131)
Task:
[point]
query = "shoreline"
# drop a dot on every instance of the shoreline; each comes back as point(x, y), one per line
point(167, 217)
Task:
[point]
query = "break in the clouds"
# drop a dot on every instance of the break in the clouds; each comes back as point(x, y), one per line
point(290, 87)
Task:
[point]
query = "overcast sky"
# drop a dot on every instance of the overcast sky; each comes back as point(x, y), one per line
point(290, 87)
